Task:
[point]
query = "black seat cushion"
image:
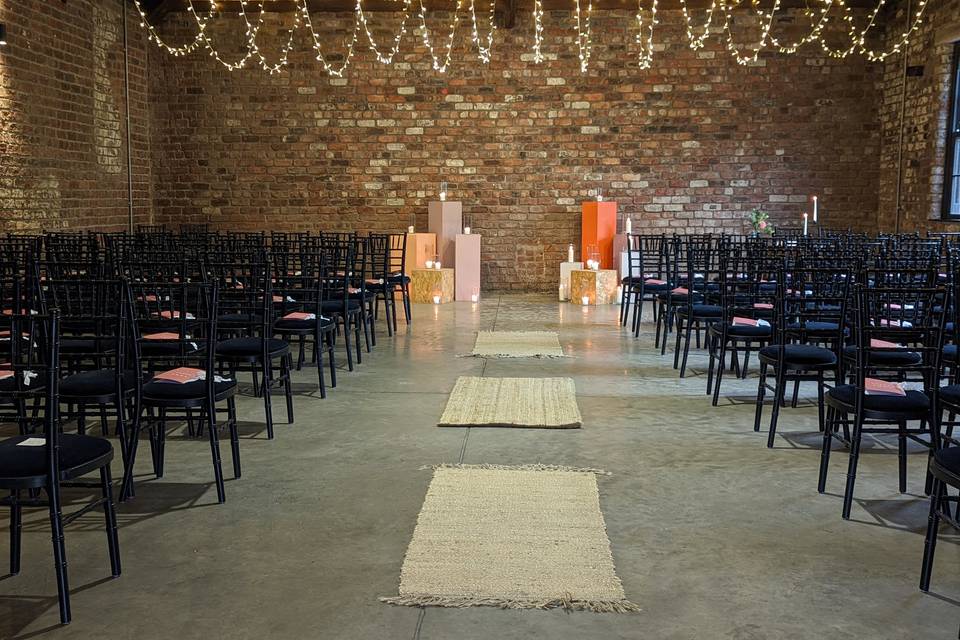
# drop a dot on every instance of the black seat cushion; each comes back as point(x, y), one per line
point(190, 390)
point(250, 347)
point(705, 311)
point(101, 382)
point(398, 279)
point(158, 348)
point(9, 385)
point(336, 306)
point(74, 346)
point(242, 319)
point(951, 394)
point(816, 326)
point(76, 451)
point(801, 354)
point(947, 462)
point(912, 402)
point(886, 358)
point(950, 353)
point(749, 331)
point(302, 325)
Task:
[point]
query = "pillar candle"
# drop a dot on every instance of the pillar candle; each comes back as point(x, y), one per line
point(804, 224)
point(816, 207)
point(570, 253)
point(628, 226)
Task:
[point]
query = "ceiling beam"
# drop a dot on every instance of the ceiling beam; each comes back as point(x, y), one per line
point(506, 9)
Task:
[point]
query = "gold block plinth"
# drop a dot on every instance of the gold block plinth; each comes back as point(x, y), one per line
point(427, 283)
point(596, 287)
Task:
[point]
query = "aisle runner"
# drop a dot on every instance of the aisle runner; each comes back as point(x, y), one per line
point(517, 344)
point(529, 537)
point(548, 403)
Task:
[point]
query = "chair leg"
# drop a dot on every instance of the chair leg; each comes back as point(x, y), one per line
point(716, 384)
point(215, 454)
point(234, 436)
point(346, 343)
point(711, 358)
point(332, 357)
point(357, 321)
point(933, 527)
point(287, 387)
point(686, 346)
point(779, 390)
point(267, 397)
point(16, 531)
point(902, 454)
point(59, 553)
point(406, 303)
point(318, 354)
point(761, 392)
point(855, 438)
point(820, 401)
point(110, 519)
point(827, 445)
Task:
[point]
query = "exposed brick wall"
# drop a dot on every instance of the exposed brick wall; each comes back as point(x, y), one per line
point(925, 121)
point(63, 160)
point(692, 144)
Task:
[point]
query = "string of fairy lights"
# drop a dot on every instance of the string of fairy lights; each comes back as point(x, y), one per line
point(718, 21)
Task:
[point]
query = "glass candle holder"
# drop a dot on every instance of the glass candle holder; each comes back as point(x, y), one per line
point(443, 191)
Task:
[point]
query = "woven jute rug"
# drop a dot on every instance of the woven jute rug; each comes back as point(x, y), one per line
point(530, 537)
point(517, 344)
point(546, 403)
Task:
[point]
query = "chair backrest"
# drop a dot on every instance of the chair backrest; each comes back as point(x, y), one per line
point(398, 254)
point(175, 325)
point(31, 358)
point(95, 317)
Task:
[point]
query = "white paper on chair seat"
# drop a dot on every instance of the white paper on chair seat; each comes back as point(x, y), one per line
point(33, 442)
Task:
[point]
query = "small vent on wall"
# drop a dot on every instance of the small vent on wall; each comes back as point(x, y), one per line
point(915, 71)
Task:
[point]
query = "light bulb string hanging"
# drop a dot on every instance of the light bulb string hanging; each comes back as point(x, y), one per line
point(385, 58)
point(484, 52)
point(351, 48)
point(425, 33)
point(284, 50)
point(754, 54)
point(645, 53)
point(820, 15)
point(152, 34)
point(697, 42)
point(584, 44)
point(537, 31)
point(214, 53)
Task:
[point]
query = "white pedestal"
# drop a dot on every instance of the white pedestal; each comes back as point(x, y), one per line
point(446, 220)
point(565, 269)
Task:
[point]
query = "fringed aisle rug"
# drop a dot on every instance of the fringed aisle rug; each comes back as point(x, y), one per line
point(529, 537)
point(517, 344)
point(547, 403)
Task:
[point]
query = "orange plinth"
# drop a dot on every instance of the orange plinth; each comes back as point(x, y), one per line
point(599, 226)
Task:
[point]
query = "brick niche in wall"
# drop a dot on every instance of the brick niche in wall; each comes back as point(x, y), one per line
point(691, 144)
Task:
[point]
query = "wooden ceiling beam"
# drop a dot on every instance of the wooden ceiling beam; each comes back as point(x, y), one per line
point(506, 9)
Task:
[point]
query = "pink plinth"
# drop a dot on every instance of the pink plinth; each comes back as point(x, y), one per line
point(467, 265)
point(446, 220)
point(420, 248)
point(619, 248)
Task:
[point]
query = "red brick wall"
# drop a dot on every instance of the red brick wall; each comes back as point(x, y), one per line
point(691, 144)
point(924, 122)
point(62, 117)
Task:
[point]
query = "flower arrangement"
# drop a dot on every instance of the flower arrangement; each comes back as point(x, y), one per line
point(760, 221)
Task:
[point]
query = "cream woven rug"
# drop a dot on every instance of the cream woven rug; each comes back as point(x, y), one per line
point(546, 403)
point(517, 344)
point(511, 537)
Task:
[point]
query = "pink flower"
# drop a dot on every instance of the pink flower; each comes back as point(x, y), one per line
point(762, 225)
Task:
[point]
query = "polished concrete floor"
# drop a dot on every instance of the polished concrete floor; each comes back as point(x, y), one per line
point(715, 535)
